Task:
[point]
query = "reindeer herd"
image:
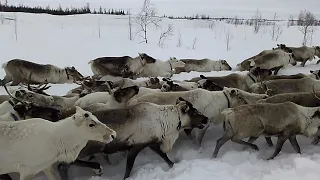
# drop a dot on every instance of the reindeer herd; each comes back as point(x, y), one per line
point(114, 111)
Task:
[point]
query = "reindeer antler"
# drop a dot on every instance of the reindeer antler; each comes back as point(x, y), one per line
point(40, 88)
point(6, 89)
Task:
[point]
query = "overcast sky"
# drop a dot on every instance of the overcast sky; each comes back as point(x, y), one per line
point(242, 8)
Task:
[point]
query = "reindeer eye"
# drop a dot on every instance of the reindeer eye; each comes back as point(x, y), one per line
point(30, 95)
point(91, 125)
point(86, 115)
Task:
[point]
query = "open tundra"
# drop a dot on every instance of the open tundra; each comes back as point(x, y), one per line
point(284, 120)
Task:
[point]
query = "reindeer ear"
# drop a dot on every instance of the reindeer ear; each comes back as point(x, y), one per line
point(185, 108)
point(18, 94)
point(203, 77)
point(79, 109)
point(179, 100)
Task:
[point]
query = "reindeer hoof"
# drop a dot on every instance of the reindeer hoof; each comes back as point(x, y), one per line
point(255, 147)
point(98, 172)
point(200, 149)
point(315, 141)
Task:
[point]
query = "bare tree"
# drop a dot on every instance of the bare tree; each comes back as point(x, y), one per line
point(228, 38)
point(236, 21)
point(306, 22)
point(2, 18)
point(99, 28)
point(256, 21)
point(130, 27)
point(290, 21)
point(194, 43)
point(15, 26)
point(179, 43)
point(278, 31)
point(146, 17)
point(165, 34)
point(311, 35)
point(273, 31)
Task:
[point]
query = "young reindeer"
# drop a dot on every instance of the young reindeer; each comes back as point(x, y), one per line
point(284, 120)
point(30, 144)
point(307, 99)
point(144, 125)
point(22, 71)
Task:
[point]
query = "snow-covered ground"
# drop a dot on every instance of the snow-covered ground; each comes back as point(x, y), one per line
point(74, 40)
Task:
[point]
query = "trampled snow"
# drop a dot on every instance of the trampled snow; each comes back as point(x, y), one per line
point(74, 40)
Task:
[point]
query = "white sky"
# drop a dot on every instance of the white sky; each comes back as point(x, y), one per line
point(241, 8)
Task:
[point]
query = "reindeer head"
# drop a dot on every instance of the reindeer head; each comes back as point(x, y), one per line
point(22, 94)
point(125, 94)
point(193, 118)
point(176, 63)
point(225, 65)
point(209, 85)
point(73, 74)
point(146, 59)
point(168, 85)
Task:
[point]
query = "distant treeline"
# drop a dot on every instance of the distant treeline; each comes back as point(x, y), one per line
point(242, 21)
point(59, 10)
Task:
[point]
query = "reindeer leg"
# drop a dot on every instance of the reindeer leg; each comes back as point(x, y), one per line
point(97, 168)
point(250, 140)
point(269, 141)
point(280, 142)
point(294, 143)
point(315, 140)
point(156, 149)
point(220, 142)
point(7, 79)
point(239, 141)
point(131, 157)
point(304, 62)
point(5, 177)
point(14, 83)
point(200, 134)
point(63, 169)
point(51, 173)
point(276, 70)
point(188, 132)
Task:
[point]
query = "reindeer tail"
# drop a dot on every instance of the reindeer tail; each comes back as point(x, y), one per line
point(4, 66)
point(90, 62)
